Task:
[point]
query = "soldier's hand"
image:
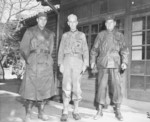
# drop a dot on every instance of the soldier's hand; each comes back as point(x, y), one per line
point(84, 68)
point(61, 68)
point(123, 66)
point(92, 65)
point(27, 62)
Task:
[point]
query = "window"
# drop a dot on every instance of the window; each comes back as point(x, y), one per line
point(85, 30)
point(140, 53)
point(93, 29)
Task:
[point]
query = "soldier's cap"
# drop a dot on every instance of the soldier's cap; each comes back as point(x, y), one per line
point(42, 14)
point(110, 17)
point(72, 16)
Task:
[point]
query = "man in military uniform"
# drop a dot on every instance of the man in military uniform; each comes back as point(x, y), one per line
point(73, 59)
point(112, 56)
point(36, 48)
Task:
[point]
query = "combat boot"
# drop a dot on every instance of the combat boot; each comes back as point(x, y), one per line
point(41, 114)
point(117, 112)
point(99, 112)
point(64, 117)
point(28, 107)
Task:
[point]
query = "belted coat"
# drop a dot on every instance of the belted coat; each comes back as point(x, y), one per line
point(38, 81)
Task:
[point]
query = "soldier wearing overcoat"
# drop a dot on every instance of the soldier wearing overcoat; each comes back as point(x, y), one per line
point(36, 48)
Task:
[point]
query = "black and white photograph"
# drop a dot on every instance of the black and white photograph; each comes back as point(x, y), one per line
point(74, 60)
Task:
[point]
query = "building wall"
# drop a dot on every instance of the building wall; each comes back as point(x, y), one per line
point(93, 12)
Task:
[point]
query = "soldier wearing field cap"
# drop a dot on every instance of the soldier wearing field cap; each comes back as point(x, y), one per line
point(73, 59)
point(36, 48)
point(110, 54)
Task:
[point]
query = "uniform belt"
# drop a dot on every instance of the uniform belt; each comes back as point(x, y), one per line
point(73, 55)
point(40, 51)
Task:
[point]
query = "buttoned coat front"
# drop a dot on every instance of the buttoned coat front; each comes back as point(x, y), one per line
point(38, 81)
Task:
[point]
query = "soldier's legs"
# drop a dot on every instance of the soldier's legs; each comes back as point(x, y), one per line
point(102, 86)
point(41, 106)
point(102, 91)
point(116, 92)
point(66, 87)
point(76, 89)
point(28, 107)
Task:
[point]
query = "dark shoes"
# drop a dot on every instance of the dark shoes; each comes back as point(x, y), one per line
point(76, 116)
point(118, 115)
point(64, 117)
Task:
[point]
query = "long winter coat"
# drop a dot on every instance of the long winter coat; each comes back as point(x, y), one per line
point(38, 81)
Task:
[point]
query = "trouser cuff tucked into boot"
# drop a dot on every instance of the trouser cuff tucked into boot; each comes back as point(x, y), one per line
point(64, 117)
point(76, 116)
point(28, 107)
point(99, 113)
point(41, 114)
point(118, 112)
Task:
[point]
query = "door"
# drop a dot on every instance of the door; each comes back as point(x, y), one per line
point(139, 83)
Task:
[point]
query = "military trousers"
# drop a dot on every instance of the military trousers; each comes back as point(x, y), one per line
point(71, 78)
point(113, 76)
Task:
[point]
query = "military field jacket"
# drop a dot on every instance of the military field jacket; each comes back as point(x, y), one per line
point(109, 49)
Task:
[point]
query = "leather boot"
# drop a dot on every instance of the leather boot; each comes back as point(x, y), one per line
point(117, 112)
point(75, 113)
point(99, 112)
point(28, 107)
point(41, 114)
point(64, 116)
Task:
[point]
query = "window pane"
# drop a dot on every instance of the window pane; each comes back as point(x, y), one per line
point(147, 67)
point(86, 29)
point(120, 24)
point(148, 37)
point(138, 24)
point(93, 39)
point(148, 22)
point(148, 52)
point(137, 82)
point(80, 28)
point(137, 67)
point(87, 39)
point(148, 83)
point(138, 38)
point(138, 53)
point(95, 28)
point(102, 26)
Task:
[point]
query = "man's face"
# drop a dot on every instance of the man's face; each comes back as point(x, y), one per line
point(72, 22)
point(110, 24)
point(42, 21)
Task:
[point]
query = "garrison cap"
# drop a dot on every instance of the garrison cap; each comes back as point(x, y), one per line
point(110, 17)
point(72, 16)
point(42, 14)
